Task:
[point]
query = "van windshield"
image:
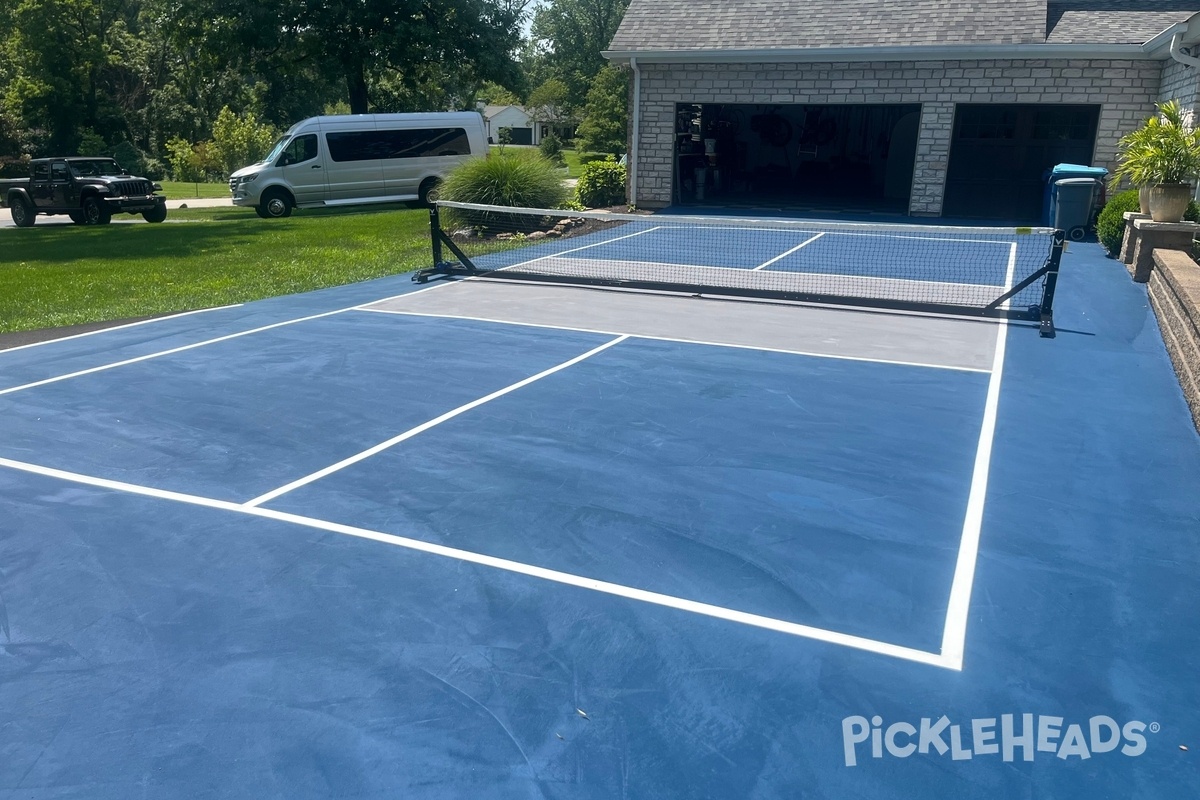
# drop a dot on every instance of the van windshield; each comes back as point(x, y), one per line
point(276, 149)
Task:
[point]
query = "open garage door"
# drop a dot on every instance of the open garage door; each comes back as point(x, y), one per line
point(1000, 153)
point(814, 157)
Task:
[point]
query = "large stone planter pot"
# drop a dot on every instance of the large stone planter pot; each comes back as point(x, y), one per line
point(1169, 201)
point(1144, 199)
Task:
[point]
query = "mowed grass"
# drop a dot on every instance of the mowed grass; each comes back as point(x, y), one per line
point(54, 275)
point(174, 190)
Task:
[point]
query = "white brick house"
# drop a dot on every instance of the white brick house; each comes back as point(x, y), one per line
point(933, 107)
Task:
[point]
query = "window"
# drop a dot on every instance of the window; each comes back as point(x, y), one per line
point(986, 122)
point(299, 150)
point(58, 172)
point(41, 172)
point(414, 143)
point(1064, 124)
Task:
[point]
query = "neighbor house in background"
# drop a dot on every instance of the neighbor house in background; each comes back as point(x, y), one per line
point(525, 127)
point(934, 107)
point(524, 131)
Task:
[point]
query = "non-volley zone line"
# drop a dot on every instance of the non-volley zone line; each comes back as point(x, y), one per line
point(517, 567)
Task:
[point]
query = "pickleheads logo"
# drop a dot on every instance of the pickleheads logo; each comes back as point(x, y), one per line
point(1028, 734)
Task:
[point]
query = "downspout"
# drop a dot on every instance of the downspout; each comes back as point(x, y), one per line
point(637, 118)
point(1177, 50)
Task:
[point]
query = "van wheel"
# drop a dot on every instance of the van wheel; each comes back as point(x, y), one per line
point(276, 204)
point(22, 215)
point(94, 212)
point(427, 195)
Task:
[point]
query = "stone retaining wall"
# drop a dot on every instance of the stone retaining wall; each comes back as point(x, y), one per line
point(1175, 296)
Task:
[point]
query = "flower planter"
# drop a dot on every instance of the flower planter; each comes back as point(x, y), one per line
point(1144, 199)
point(1169, 201)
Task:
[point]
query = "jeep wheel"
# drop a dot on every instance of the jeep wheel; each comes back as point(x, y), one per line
point(76, 217)
point(157, 215)
point(276, 204)
point(22, 215)
point(94, 212)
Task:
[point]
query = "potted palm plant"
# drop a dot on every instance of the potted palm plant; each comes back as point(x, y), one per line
point(1162, 159)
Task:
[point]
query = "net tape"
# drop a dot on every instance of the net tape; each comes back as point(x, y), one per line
point(904, 266)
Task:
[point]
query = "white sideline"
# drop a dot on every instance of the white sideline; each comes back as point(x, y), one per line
point(204, 343)
point(117, 328)
point(954, 635)
point(565, 578)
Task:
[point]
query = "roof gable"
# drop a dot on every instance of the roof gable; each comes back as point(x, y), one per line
point(1114, 21)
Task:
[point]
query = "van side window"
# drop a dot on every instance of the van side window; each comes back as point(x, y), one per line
point(411, 143)
point(299, 150)
point(427, 142)
point(355, 146)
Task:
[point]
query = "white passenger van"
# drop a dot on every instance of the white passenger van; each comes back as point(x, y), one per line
point(359, 158)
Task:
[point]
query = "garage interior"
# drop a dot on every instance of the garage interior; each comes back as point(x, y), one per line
point(999, 156)
point(812, 157)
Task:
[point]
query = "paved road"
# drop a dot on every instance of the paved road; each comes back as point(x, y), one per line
point(6, 219)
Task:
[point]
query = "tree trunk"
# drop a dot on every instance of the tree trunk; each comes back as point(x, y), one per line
point(356, 84)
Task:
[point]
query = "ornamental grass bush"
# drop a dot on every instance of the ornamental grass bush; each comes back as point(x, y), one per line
point(519, 178)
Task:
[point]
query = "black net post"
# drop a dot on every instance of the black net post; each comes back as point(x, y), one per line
point(435, 232)
point(1052, 265)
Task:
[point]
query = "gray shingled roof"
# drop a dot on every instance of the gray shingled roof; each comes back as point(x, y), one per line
point(764, 24)
point(1114, 21)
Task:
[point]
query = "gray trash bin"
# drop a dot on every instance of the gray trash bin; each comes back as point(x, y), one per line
point(1073, 206)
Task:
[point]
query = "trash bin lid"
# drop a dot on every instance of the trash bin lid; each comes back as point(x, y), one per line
point(1075, 182)
point(1078, 171)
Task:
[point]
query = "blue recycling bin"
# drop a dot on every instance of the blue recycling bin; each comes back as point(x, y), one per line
point(1062, 172)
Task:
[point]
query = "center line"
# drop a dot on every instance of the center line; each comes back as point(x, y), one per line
point(789, 252)
point(408, 434)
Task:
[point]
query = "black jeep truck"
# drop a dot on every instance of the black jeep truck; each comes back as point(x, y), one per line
point(88, 190)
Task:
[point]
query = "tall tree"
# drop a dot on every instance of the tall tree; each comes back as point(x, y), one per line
point(572, 34)
point(604, 116)
point(370, 43)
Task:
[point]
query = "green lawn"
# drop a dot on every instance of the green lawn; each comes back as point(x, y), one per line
point(174, 190)
point(52, 275)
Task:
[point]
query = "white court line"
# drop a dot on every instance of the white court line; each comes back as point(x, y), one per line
point(118, 327)
point(408, 434)
point(685, 228)
point(954, 635)
point(194, 345)
point(788, 253)
point(565, 578)
point(680, 340)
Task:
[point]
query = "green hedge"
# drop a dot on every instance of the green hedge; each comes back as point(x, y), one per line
point(1110, 225)
point(601, 184)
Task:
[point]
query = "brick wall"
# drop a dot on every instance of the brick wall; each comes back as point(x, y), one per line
point(1126, 91)
point(1179, 82)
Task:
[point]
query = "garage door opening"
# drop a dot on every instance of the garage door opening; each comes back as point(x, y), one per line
point(1000, 154)
point(817, 157)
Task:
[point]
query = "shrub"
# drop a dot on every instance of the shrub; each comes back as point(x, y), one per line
point(551, 148)
point(602, 183)
point(521, 178)
point(1110, 225)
